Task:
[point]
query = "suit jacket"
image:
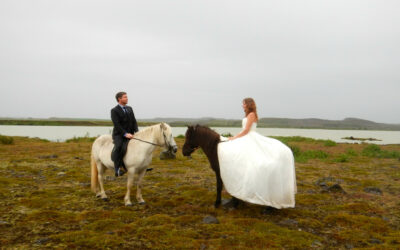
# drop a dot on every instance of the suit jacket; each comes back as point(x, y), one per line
point(123, 123)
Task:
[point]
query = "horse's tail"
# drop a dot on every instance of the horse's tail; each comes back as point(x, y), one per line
point(94, 178)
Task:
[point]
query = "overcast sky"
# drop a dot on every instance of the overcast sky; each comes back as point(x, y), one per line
point(297, 59)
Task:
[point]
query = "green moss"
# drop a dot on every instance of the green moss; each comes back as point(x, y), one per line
point(375, 151)
point(37, 204)
point(342, 158)
point(6, 140)
point(330, 143)
point(81, 139)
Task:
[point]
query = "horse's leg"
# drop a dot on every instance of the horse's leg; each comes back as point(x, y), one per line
point(101, 168)
point(219, 189)
point(131, 174)
point(139, 197)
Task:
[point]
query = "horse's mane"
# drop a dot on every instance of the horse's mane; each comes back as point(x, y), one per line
point(208, 136)
point(147, 130)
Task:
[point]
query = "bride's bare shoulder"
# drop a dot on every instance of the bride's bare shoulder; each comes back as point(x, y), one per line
point(251, 115)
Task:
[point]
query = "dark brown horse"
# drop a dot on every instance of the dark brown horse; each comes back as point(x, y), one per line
point(208, 140)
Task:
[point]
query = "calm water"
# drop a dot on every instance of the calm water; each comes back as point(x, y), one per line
point(61, 133)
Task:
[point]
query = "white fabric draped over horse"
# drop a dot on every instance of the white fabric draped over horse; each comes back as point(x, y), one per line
point(138, 156)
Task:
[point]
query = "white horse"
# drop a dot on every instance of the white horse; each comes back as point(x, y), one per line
point(138, 156)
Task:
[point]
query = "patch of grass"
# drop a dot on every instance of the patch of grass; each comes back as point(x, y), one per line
point(330, 143)
point(304, 156)
point(81, 139)
point(342, 158)
point(375, 151)
point(180, 136)
point(6, 140)
point(227, 134)
point(351, 152)
point(287, 139)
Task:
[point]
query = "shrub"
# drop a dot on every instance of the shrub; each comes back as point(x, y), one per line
point(227, 134)
point(374, 150)
point(180, 136)
point(304, 156)
point(6, 140)
point(329, 143)
point(371, 150)
point(351, 152)
point(342, 158)
point(286, 139)
point(81, 139)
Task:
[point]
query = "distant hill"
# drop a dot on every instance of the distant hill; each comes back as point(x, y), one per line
point(348, 123)
point(314, 123)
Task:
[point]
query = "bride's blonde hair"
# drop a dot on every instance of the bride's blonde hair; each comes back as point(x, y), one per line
point(250, 106)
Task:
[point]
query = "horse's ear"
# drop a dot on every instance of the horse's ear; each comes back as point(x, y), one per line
point(162, 126)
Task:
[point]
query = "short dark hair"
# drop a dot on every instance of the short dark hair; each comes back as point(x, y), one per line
point(119, 95)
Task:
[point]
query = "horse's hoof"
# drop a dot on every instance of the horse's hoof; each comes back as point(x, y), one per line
point(105, 199)
point(142, 203)
point(129, 205)
point(98, 195)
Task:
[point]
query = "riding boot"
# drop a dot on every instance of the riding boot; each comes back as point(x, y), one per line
point(117, 168)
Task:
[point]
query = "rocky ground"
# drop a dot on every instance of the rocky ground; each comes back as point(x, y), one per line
point(348, 197)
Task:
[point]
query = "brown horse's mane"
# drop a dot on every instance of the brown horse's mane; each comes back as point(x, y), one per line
point(207, 137)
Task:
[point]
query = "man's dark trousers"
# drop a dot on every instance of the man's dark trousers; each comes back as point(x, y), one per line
point(124, 122)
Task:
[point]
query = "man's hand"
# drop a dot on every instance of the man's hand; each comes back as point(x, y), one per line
point(129, 136)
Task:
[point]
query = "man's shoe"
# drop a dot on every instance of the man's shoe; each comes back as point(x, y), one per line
point(119, 172)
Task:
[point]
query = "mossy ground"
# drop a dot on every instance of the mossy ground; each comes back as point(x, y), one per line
point(46, 202)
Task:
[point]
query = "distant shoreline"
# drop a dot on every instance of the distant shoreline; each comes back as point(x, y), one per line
point(312, 123)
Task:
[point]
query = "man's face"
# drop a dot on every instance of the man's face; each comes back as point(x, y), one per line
point(123, 100)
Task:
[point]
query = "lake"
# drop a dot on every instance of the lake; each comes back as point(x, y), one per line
point(62, 133)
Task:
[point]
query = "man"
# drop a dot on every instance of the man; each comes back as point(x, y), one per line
point(125, 126)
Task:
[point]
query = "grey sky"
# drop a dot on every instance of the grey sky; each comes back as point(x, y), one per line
point(297, 59)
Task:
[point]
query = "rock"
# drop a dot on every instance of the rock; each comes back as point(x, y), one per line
point(289, 222)
point(316, 244)
point(48, 156)
point(348, 246)
point(4, 223)
point(375, 241)
point(336, 188)
point(42, 241)
point(61, 174)
point(210, 220)
point(167, 155)
point(373, 190)
point(322, 181)
point(78, 158)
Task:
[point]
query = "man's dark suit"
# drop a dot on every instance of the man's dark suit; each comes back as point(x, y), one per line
point(124, 122)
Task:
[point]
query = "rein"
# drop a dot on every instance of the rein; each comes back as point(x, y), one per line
point(146, 142)
point(165, 139)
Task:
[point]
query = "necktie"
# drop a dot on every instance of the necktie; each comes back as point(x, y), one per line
point(125, 110)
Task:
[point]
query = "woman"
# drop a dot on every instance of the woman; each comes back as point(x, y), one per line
point(255, 168)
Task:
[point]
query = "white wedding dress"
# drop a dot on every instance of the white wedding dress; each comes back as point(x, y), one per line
point(258, 169)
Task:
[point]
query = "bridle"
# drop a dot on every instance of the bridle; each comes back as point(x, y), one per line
point(158, 145)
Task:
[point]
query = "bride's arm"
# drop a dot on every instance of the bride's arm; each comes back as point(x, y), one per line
point(251, 118)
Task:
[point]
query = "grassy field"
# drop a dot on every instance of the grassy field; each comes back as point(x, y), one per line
point(348, 197)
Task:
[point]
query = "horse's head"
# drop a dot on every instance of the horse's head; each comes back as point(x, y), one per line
point(191, 142)
point(169, 142)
